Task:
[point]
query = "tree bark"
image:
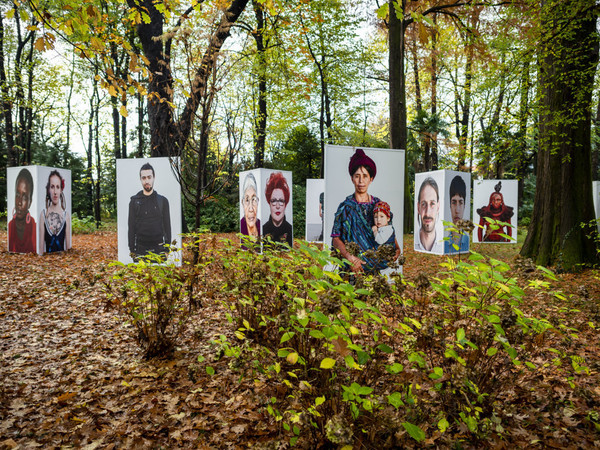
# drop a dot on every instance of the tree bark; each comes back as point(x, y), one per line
point(434, 77)
point(167, 137)
point(260, 122)
point(397, 88)
point(7, 111)
point(563, 198)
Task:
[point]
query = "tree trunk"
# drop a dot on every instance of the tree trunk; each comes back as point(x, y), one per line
point(523, 159)
point(434, 77)
point(596, 149)
point(116, 127)
point(89, 179)
point(424, 137)
point(124, 132)
point(7, 105)
point(260, 122)
point(397, 96)
point(28, 107)
point(397, 92)
point(563, 198)
point(466, 112)
point(140, 130)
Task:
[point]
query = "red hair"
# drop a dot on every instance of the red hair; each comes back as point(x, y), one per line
point(277, 181)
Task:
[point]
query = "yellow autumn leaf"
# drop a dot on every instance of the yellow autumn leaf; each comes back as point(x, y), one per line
point(327, 363)
point(123, 110)
point(292, 358)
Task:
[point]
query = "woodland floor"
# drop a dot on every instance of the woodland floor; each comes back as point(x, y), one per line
point(72, 376)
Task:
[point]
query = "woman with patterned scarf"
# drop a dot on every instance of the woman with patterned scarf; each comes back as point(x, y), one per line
point(353, 220)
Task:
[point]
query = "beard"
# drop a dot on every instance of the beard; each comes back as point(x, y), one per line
point(428, 227)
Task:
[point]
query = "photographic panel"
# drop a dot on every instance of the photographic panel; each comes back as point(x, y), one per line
point(315, 199)
point(23, 209)
point(457, 206)
point(54, 200)
point(496, 200)
point(276, 214)
point(429, 209)
point(387, 185)
point(148, 209)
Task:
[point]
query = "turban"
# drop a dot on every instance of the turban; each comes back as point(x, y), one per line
point(360, 159)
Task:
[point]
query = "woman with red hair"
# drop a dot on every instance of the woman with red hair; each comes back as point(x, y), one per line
point(277, 192)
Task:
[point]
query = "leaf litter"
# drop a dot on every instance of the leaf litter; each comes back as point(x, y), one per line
point(72, 376)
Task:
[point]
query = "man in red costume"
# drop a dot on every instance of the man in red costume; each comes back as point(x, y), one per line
point(495, 210)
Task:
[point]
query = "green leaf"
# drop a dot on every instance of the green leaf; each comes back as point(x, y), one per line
point(394, 368)
point(415, 432)
point(395, 399)
point(292, 358)
point(321, 318)
point(317, 334)
point(327, 363)
point(210, 370)
point(382, 11)
point(443, 424)
point(438, 373)
point(319, 400)
point(385, 348)
point(494, 318)
point(286, 336)
point(460, 334)
point(492, 351)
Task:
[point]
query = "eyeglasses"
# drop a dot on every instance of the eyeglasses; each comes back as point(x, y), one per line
point(275, 201)
point(253, 200)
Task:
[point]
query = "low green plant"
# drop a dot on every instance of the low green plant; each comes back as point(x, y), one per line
point(156, 298)
point(84, 225)
point(371, 361)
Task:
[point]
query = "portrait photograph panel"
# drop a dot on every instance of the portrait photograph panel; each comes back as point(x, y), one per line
point(364, 196)
point(54, 200)
point(496, 200)
point(315, 198)
point(148, 210)
point(429, 209)
point(23, 209)
point(457, 200)
point(277, 214)
point(250, 204)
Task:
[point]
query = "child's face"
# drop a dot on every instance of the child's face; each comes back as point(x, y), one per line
point(381, 220)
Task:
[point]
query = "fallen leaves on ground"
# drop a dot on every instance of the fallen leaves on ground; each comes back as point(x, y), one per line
point(71, 375)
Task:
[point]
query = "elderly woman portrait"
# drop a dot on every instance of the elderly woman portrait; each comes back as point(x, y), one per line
point(55, 224)
point(277, 193)
point(354, 218)
point(21, 228)
point(250, 224)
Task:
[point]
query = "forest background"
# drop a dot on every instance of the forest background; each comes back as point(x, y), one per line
point(501, 89)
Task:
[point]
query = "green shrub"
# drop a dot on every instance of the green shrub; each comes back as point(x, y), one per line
point(155, 298)
point(375, 363)
point(85, 225)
